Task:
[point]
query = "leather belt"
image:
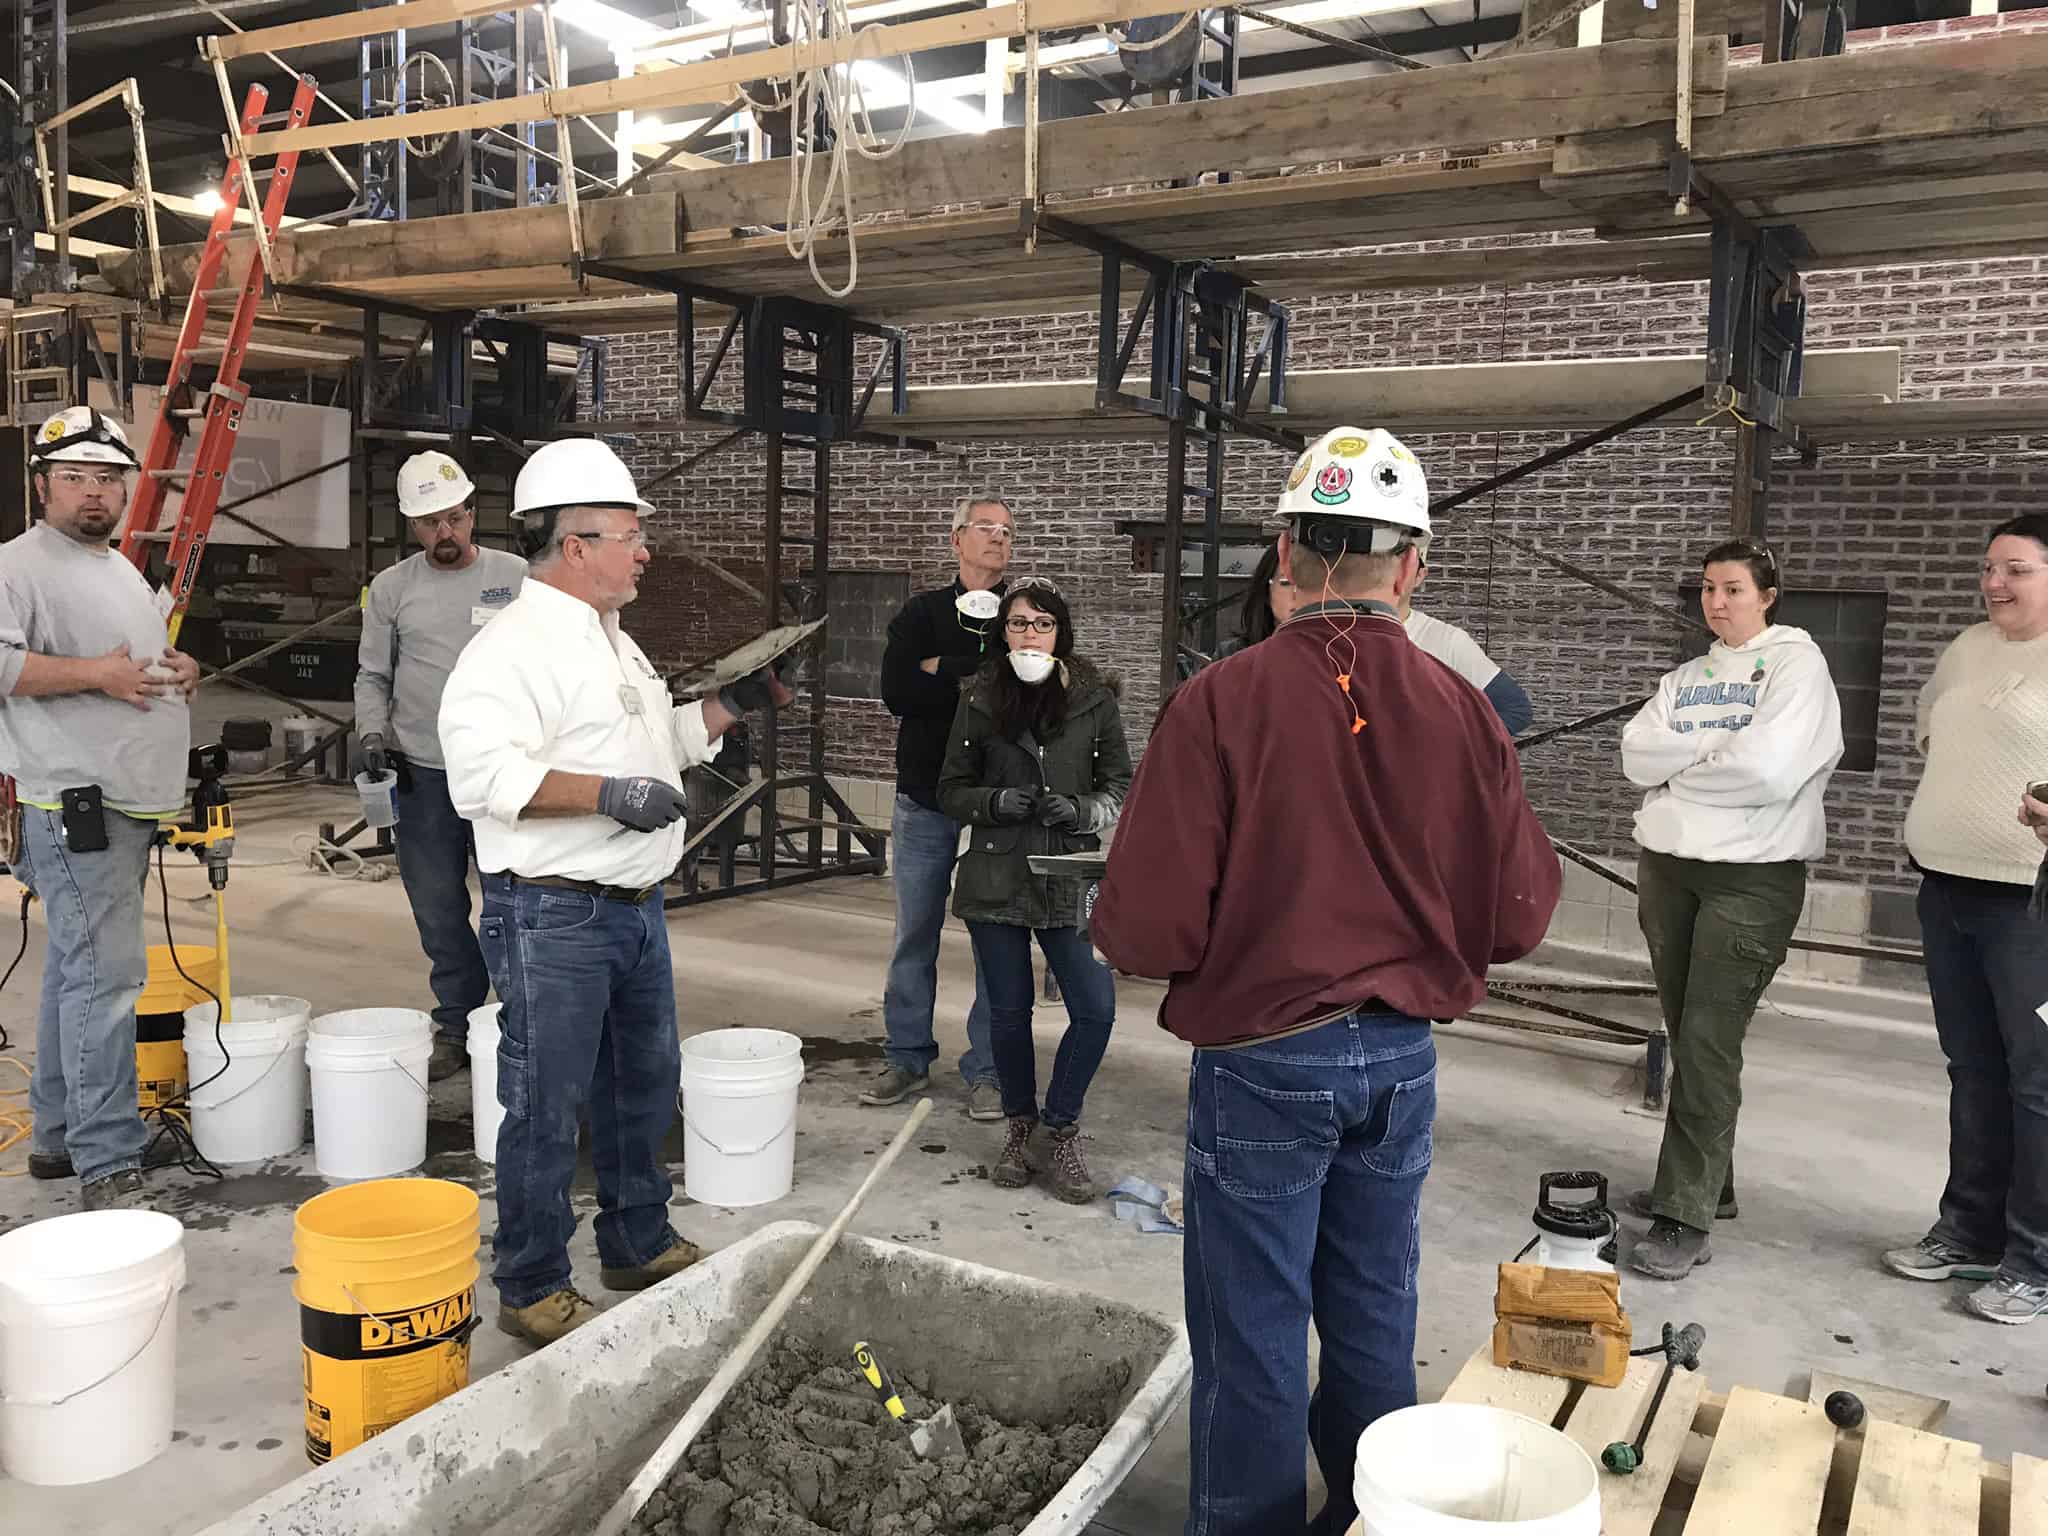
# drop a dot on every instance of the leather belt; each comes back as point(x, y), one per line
point(631, 898)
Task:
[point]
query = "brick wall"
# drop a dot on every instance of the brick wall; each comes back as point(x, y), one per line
point(1906, 517)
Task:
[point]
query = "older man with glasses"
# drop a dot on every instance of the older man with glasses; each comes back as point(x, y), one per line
point(936, 642)
point(566, 752)
point(420, 614)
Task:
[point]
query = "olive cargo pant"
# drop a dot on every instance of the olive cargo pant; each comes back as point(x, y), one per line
point(1717, 935)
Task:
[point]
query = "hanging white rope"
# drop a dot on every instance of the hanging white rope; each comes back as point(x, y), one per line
point(838, 93)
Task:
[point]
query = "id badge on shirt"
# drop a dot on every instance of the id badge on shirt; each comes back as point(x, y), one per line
point(479, 615)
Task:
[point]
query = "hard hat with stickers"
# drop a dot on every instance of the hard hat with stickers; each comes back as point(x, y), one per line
point(81, 435)
point(431, 482)
point(1359, 476)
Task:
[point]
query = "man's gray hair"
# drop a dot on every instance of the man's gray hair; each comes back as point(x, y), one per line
point(963, 509)
point(544, 531)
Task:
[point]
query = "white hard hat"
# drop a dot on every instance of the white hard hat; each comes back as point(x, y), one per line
point(1350, 473)
point(575, 472)
point(431, 482)
point(81, 435)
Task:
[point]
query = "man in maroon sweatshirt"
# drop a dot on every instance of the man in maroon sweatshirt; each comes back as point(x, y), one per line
point(1326, 846)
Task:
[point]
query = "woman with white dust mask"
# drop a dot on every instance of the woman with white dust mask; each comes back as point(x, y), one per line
point(1037, 764)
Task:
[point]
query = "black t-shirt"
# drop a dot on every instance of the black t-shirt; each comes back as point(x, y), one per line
point(928, 625)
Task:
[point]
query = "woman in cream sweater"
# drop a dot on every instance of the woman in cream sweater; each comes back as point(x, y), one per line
point(1983, 725)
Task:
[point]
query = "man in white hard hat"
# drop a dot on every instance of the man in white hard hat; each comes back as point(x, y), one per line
point(419, 615)
point(565, 751)
point(1326, 846)
point(94, 729)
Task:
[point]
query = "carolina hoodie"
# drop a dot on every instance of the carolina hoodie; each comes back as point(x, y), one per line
point(1735, 751)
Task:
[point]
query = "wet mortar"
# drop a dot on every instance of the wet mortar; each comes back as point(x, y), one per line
point(804, 1448)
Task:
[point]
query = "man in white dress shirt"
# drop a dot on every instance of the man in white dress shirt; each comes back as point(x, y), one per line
point(564, 749)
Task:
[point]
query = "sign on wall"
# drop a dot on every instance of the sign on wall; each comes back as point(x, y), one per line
point(278, 439)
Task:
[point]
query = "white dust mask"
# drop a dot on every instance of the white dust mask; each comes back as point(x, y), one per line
point(1031, 666)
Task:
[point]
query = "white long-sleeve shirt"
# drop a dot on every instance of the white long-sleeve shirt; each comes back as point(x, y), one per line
point(1736, 749)
point(549, 686)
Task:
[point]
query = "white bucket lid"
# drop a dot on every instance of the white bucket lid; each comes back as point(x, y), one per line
point(483, 1025)
point(253, 1023)
point(87, 1257)
point(763, 1049)
point(366, 1029)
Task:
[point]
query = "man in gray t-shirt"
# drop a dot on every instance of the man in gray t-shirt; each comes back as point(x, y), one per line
point(94, 730)
point(419, 615)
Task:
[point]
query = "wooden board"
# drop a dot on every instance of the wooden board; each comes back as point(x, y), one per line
point(1629, 1505)
point(1915, 1484)
point(2029, 1497)
point(1991, 84)
point(1525, 1392)
point(1912, 1409)
point(1768, 1469)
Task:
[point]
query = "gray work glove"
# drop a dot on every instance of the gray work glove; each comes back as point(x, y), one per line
point(375, 758)
point(754, 691)
point(644, 804)
point(1009, 806)
point(1059, 811)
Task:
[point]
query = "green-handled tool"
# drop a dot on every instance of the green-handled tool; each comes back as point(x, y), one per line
point(931, 1438)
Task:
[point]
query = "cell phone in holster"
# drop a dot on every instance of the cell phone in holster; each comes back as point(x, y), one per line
point(85, 819)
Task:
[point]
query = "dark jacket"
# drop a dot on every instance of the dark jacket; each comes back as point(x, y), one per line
point(1276, 865)
point(927, 625)
point(1086, 759)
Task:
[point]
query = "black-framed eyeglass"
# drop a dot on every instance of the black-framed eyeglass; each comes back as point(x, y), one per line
point(1044, 624)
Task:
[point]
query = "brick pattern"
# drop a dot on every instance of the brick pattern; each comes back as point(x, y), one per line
point(1907, 517)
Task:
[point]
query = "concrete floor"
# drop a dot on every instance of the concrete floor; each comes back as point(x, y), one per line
point(1842, 1152)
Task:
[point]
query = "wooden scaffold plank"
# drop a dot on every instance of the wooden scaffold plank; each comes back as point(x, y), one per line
point(1768, 1468)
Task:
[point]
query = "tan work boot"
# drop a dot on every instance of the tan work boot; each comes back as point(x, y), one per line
point(1014, 1168)
point(1070, 1179)
point(548, 1319)
point(670, 1261)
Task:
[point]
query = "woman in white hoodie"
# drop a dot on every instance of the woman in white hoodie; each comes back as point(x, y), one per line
point(1735, 751)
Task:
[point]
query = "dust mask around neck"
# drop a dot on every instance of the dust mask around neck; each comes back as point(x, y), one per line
point(1031, 666)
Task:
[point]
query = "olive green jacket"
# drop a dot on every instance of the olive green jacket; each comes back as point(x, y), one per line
point(1087, 760)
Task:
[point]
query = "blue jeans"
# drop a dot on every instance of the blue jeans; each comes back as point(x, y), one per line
point(1987, 969)
point(923, 847)
point(1306, 1157)
point(434, 848)
point(82, 1093)
point(1002, 957)
point(589, 1019)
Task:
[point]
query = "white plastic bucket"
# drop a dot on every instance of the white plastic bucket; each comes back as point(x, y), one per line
point(485, 1112)
point(251, 1103)
point(739, 1115)
point(88, 1344)
point(369, 1070)
point(377, 792)
point(1462, 1469)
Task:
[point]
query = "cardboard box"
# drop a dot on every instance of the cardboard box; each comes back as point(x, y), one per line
point(1561, 1322)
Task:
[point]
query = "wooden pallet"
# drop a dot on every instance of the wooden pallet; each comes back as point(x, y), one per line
point(1753, 1463)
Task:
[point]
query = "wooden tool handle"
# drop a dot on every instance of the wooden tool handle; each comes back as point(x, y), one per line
point(698, 1414)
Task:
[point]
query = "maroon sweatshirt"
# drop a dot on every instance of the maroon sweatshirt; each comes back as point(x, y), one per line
point(1276, 866)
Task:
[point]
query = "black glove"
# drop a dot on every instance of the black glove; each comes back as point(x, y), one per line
point(375, 758)
point(1009, 806)
point(752, 692)
point(1062, 811)
point(644, 804)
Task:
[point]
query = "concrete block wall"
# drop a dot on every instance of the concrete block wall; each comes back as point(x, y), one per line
point(1908, 518)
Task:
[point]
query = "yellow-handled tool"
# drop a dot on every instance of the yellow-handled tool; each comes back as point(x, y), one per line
point(932, 1438)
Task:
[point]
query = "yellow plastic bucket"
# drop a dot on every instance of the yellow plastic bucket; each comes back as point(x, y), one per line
point(387, 1301)
point(160, 1072)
